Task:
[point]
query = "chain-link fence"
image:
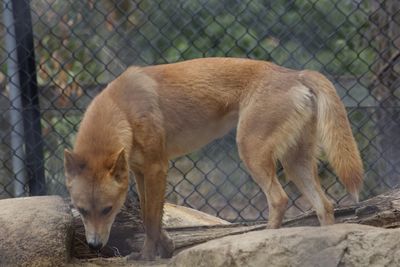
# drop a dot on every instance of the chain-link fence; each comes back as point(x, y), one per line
point(81, 45)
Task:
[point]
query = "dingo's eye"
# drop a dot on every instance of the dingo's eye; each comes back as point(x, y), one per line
point(83, 212)
point(106, 210)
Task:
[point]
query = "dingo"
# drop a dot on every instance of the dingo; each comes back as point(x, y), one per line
point(152, 114)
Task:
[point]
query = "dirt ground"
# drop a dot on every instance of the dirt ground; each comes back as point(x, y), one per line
point(116, 262)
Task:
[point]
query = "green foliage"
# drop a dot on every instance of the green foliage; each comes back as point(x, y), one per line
point(80, 43)
point(60, 133)
point(106, 36)
point(323, 35)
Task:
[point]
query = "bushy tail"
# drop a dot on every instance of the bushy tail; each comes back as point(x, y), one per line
point(335, 133)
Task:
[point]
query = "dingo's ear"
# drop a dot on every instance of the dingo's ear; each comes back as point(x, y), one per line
point(72, 164)
point(120, 166)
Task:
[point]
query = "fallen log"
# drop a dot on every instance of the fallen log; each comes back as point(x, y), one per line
point(380, 211)
point(127, 232)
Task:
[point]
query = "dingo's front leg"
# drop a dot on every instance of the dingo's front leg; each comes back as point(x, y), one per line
point(154, 177)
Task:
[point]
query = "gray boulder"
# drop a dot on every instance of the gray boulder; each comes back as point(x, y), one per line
point(336, 245)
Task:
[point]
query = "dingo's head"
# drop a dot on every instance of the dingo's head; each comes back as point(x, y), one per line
point(98, 191)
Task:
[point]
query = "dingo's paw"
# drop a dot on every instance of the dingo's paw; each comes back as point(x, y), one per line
point(136, 256)
point(148, 252)
point(166, 245)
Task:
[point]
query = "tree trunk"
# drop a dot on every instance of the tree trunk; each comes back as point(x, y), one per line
point(384, 34)
point(380, 211)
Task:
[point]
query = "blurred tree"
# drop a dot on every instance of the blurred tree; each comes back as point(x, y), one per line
point(84, 42)
point(386, 87)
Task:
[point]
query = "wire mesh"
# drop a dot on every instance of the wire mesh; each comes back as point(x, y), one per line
point(82, 45)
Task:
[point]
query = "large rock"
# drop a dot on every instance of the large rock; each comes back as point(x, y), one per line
point(180, 216)
point(337, 245)
point(35, 231)
point(127, 231)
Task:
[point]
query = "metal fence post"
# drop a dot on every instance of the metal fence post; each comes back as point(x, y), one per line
point(30, 97)
point(16, 119)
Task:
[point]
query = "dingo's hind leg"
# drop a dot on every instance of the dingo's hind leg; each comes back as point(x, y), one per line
point(300, 166)
point(256, 150)
point(270, 122)
point(262, 169)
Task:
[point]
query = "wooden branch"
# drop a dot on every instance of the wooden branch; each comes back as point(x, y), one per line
point(380, 211)
point(127, 233)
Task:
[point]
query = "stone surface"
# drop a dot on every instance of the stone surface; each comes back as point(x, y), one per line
point(127, 232)
point(35, 231)
point(337, 245)
point(117, 262)
point(178, 216)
